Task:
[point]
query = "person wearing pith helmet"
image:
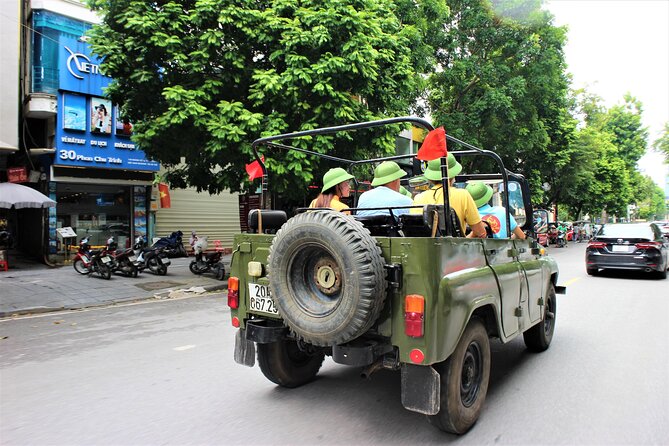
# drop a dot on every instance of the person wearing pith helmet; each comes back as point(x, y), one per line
point(459, 199)
point(495, 216)
point(385, 193)
point(335, 186)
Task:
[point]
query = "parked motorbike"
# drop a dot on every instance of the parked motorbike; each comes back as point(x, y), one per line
point(206, 262)
point(173, 245)
point(153, 259)
point(561, 239)
point(87, 261)
point(124, 259)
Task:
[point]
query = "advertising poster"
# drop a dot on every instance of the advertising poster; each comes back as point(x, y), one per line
point(123, 124)
point(74, 112)
point(53, 224)
point(101, 115)
point(140, 211)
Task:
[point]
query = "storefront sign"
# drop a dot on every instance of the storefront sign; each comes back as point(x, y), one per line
point(17, 175)
point(79, 70)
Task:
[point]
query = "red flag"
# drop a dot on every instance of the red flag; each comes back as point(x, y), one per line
point(254, 170)
point(164, 192)
point(434, 145)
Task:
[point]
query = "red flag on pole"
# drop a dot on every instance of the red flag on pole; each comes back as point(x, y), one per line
point(434, 145)
point(164, 191)
point(254, 170)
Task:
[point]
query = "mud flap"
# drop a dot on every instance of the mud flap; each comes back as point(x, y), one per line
point(421, 389)
point(245, 350)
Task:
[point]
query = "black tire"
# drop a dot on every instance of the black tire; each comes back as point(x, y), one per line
point(105, 271)
point(193, 268)
point(154, 265)
point(285, 364)
point(80, 267)
point(592, 271)
point(661, 274)
point(327, 277)
point(133, 271)
point(220, 272)
point(539, 337)
point(162, 270)
point(465, 376)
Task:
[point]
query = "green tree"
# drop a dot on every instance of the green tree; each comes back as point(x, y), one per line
point(649, 198)
point(204, 78)
point(629, 135)
point(662, 143)
point(503, 86)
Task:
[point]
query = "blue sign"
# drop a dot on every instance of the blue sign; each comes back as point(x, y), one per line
point(90, 131)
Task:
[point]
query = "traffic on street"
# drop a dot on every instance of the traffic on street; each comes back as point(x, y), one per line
point(162, 372)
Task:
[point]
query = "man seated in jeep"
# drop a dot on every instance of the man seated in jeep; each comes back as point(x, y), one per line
point(460, 200)
point(386, 193)
point(495, 216)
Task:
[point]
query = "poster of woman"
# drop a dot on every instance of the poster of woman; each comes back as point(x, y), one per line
point(100, 115)
point(123, 124)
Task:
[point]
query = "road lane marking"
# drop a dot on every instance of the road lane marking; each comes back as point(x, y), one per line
point(575, 279)
point(184, 347)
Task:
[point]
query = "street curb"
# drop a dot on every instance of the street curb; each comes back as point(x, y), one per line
point(163, 295)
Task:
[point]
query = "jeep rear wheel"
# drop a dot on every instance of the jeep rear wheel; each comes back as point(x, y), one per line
point(327, 277)
point(464, 381)
point(283, 363)
point(539, 337)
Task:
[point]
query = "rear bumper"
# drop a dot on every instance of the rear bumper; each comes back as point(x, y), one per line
point(628, 262)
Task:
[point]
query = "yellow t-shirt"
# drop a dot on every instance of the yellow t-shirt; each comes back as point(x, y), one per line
point(334, 204)
point(460, 200)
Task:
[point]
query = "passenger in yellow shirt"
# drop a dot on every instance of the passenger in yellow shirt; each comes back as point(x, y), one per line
point(460, 200)
point(335, 185)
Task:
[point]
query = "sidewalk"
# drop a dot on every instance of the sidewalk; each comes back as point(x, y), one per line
point(30, 287)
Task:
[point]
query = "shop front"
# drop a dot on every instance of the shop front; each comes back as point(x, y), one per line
point(99, 178)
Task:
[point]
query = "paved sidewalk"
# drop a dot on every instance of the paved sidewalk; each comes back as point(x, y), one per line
point(34, 288)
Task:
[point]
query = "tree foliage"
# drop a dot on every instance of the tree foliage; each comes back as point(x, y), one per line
point(503, 86)
point(204, 78)
point(662, 143)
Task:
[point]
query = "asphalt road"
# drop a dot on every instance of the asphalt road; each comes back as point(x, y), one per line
point(162, 373)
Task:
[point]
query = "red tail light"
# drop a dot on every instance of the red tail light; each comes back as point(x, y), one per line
point(596, 245)
point(648, 245)
point(414, 315)
point(233, 292)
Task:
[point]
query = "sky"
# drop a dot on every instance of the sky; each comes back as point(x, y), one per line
point(620, 46)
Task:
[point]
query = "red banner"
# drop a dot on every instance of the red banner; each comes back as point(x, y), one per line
point(164, 191)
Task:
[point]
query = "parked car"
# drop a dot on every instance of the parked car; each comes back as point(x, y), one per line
point(635, 246)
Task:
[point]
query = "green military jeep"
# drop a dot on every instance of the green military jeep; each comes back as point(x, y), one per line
point(400, 292)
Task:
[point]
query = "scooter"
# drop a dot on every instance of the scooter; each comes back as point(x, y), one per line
point(561, 239)
point(124, 259)
point(206, 262)
point(173, 245)
point(87, 262)
point(154, 259)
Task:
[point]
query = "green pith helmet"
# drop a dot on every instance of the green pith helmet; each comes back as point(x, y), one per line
point(333, 177)
point(386, 172)
point(433, 171)
point(480, 192)
point(404, 191)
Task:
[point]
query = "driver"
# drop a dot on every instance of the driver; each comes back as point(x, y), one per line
point(386, 192)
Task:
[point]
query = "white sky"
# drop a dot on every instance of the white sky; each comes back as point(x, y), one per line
point(621, 46)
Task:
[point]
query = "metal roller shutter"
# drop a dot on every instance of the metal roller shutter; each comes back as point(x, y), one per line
point(216, 216)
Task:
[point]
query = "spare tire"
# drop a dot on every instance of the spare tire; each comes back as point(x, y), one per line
point(327, 277)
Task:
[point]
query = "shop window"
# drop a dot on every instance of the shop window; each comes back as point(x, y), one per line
point(49, 27)
point(95, 211)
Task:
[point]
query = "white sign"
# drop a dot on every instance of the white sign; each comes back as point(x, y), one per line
point(66, 232)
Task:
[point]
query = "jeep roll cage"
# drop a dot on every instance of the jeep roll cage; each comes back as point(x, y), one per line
point(504, 175)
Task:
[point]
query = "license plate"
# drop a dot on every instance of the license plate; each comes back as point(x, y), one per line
point(85, 259)
point(260, 299)
point(132, 258)
point(620, 248)
point(166, 262)
point(106, 259)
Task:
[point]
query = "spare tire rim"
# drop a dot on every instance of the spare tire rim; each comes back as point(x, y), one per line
point(315, 280)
